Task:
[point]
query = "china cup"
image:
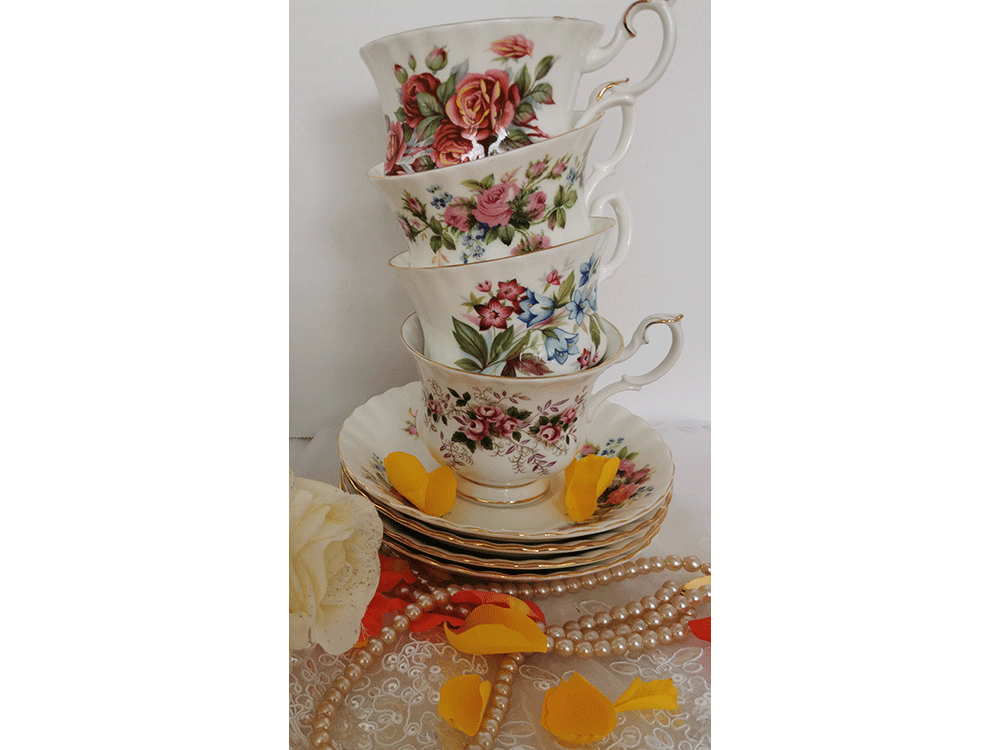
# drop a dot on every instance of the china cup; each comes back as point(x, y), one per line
point(520, 316)
point(462, 91)
point(513, 203)
point(505, 437)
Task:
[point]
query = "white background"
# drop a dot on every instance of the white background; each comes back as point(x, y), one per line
point(345, 306)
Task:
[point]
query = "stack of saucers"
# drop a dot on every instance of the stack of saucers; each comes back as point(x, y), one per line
point(486, 170)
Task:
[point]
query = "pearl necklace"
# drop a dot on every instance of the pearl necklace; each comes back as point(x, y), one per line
point(653, 621)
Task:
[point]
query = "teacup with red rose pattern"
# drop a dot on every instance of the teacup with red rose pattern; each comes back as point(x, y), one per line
point(462, 91)
point(504, 437)
point(520, 316)
point(514, 203)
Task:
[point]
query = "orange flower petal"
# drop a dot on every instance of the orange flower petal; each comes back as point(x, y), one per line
point(702, 628)
point(586, 479)
point(442, 487)
point(576, 712)
point(431, 620)
point(491, 629)
point(469, 596)
point(654, 694)
point(432, 493)
point(463, 702)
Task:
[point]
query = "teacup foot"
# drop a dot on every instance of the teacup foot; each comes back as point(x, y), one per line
point(491, 495)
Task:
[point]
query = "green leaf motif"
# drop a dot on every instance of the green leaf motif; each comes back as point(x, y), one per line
point(468, 365)
point(565, 292)
point(427, 126)
point(595, 331)
point(471, 342)
point(542, 94)
point(436, 242)
point(570, 199)
point(448, 241)
point(487, 443)
point(544, 66)
point(507, 234)
point(501, 343)
point(559, 197)
point(523, 81)
point(429, 105)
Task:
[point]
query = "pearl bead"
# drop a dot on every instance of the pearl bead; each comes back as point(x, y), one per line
point(485, 740)
point(571, 625)
point(602, 649)
point(657, 564)
point(634, 609)
point(672, 586)
point(496, 588)
point(452, 589)
point(618, 572)
point(607, 634)
point(506, 673)
point(342, 684)
point(588, 622)
point(542, 590)
point(623, 630)
point(668, 610)
point(591, 635)
point(681, 602)
point(654, 618)
point(673, 562)
point(375, 647)
point(440, 596)
point(573, 585)
point(500, 703)
point(502, 690)
point(463, 611)
point(634, 642)
point(400, 623)
point(649, 602)
point(555, 631)
point(584, 650)
point(650, 640)
point(707, 590)
point(492, 725)
point(644, 566)
point(319, 737)
point(619, 614)
point(510, 589)
point(691, 564)
point(363, 659)
point(664, 635)
point(602, 619)
point(706, 569)
point(564, 647)
point(515, 658)
point(639, 625)
point(558, 588)
point(412, 611)
point(631, 569)
point(388, 635)
point(550, 643)
point(403, 591)
point(524, 591)
point(678, 631)
point(588, 581)
point(603, 578)
point(327, 706)
point(322, 722)
point(619, 646)
point(352, 672)
point(473, 746)
point(574, 635)
point(696, 596)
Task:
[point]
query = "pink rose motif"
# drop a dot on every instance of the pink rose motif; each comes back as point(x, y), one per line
point(515, 46)
point(508, 426)
point(489, 413)
point(536, 205)
point(414, 205)
point(550, 433)
point(569, 416)
point(422, 83)
point(531, 243)
point(621, 494)
point(476, 430)
point(483, 104)
point(587, 450)
point(433, 406)
point(554, 278)
point(626, 467)
point(449, 146)
point(535, 170)
point(639, 477)
point(510, 291)
point(458, 217)
point(493, 314)
point(394, 148)
point(492, 208)
point(559, 168)
point(412, 429)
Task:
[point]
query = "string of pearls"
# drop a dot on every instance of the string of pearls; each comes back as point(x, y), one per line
point(655, 620)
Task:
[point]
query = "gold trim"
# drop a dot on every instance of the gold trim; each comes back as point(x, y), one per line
point(625, 17)
point(613, 83)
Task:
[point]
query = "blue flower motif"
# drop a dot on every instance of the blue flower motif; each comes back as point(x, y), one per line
point(433, 188)
point(586, 269)
point(535, 309)
point(442, 201)
point(576, 307)
point(591, 300)
point(560, 346)
point(572, 174)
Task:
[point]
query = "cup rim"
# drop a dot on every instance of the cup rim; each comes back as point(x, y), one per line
point(595, 369)
point(454, 24)
point(611, 224)
point(438, 170)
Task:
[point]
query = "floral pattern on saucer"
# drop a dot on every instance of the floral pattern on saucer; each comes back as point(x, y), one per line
point(512, 328)
point(630, 481)
point(446, 120)
point(513, 209)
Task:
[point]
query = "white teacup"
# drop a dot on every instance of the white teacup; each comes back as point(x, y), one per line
point(458, 92)
point(514, 203)
point(505, 437)
point(519, 316)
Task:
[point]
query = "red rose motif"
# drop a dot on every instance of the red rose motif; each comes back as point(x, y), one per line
point(483, 104)
point(492, 208)
point(450, 146)
point(489, 413)
point(508, 426)
point(550, 433)
point(621, 494)
point(458, 217)
point(422, 83)
point(476, 430)
point(395, 146)
point(414, 205)
point(515, 46)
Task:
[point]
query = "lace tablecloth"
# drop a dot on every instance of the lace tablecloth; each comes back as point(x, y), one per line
point(394, 704)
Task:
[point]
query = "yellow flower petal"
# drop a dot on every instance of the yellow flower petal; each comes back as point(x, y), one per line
point(432, 493)
point(490, 629)
point(442, 486)
point(586, 479)
point(695, 583)
point(463, 702)
point(654, 694)
point(576, 712)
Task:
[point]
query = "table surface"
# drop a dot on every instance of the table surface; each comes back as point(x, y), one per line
point(394, 705)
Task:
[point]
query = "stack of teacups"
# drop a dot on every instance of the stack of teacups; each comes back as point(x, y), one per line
point(486, 170)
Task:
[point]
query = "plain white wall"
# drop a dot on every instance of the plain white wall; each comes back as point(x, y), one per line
point(346, 308)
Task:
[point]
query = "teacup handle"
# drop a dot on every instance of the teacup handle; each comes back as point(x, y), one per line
point(635, 382)
point(623, 225)
point(607, 167)
point(601, 56)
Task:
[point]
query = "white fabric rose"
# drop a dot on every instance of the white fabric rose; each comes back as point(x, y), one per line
point(333, 567)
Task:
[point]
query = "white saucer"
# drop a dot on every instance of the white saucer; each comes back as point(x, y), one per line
point(386, 423)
